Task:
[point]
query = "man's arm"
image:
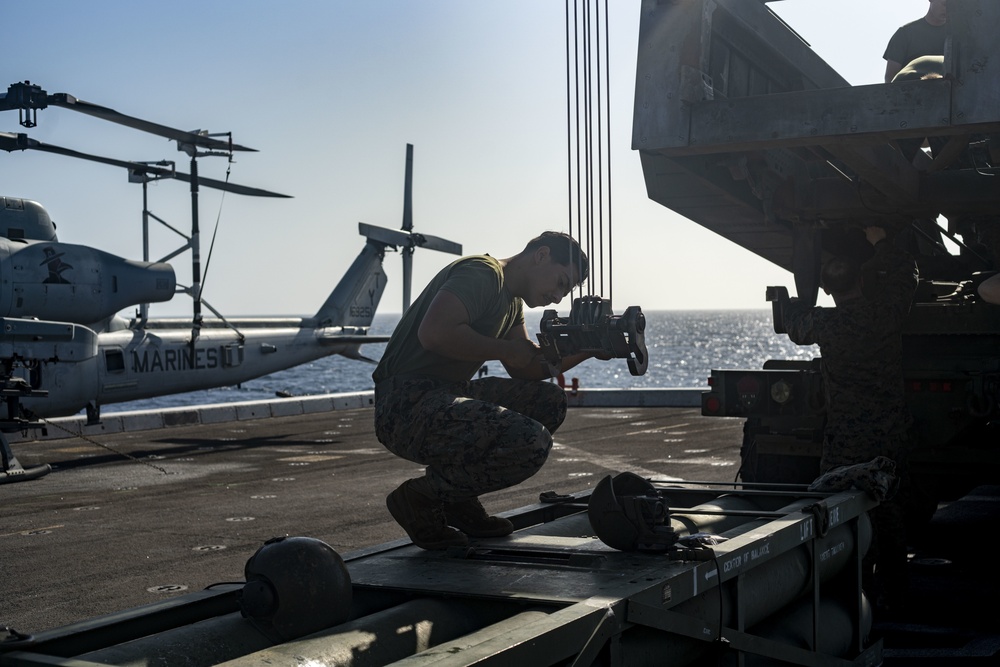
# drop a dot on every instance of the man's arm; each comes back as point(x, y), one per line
point(445, 330)
point(538, 369)
point(800, 322)
point(895, 51)
point(892, 68)
point(899, 270)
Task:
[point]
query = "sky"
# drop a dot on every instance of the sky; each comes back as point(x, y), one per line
point(330, 92)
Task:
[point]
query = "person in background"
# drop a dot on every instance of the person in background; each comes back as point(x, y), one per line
point(861, 363)
point(916, 53)
point(482, 435)
point(923, 37)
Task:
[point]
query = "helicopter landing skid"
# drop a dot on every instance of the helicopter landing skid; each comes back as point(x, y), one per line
point(12, 389)
point(12, 470)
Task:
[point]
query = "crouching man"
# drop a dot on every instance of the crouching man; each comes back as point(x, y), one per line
point(473, 436)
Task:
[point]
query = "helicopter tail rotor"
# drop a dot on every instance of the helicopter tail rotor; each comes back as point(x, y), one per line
point(404, 239)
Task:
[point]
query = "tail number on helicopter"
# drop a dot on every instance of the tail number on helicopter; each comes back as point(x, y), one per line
point(362, 311)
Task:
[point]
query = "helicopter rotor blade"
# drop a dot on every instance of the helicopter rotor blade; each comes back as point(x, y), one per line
point(399, 238)
point(16, 142)
point(228, 187)
point(405, 238)
point(408, 191)
point(437, 243)
point(408, 226)
point(67, 101)
point(393, 237)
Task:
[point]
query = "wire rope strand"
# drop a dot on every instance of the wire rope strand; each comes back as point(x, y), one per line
point(607, 99)
point(588, 137)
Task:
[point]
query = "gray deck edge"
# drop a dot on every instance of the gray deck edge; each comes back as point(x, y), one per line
point(144, 420)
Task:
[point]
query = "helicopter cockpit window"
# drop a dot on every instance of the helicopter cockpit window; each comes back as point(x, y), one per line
point(114, 361)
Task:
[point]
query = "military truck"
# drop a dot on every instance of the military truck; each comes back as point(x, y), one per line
point(744, 129)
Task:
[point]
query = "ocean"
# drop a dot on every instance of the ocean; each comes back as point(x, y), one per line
point(683, 345)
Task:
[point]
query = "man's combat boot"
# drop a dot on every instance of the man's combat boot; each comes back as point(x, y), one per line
point(423, 518)
point(470, 518)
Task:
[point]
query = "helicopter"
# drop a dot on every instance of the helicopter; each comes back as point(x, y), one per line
point(64, 347)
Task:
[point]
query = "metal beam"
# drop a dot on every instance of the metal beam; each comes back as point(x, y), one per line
point(874, 114)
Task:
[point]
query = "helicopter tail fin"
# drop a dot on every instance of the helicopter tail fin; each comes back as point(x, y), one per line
point(353, 301)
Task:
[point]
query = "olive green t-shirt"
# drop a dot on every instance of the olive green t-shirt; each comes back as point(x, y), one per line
point(478, 282)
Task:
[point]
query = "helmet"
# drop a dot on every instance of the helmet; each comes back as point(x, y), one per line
point(295, 586)
point(627, 514)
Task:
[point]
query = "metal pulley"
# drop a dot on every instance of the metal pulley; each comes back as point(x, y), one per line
point(593, 327)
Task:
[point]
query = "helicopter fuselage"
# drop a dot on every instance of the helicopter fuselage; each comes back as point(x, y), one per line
point(134, 364)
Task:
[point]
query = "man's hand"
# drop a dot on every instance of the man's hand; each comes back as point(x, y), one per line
point(521, 353)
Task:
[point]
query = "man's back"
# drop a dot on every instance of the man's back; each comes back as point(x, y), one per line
point(861, 348)
point(862, 364)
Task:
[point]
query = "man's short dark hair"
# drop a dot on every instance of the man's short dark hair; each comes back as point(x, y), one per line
point(840, 275)
point(564, 249)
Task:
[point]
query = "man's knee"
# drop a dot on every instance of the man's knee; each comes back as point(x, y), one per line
point(553, 406)
point(535, 453)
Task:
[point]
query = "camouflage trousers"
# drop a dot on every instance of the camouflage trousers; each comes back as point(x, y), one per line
point(888, 553)
point(473, 437)
point(853, 444)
